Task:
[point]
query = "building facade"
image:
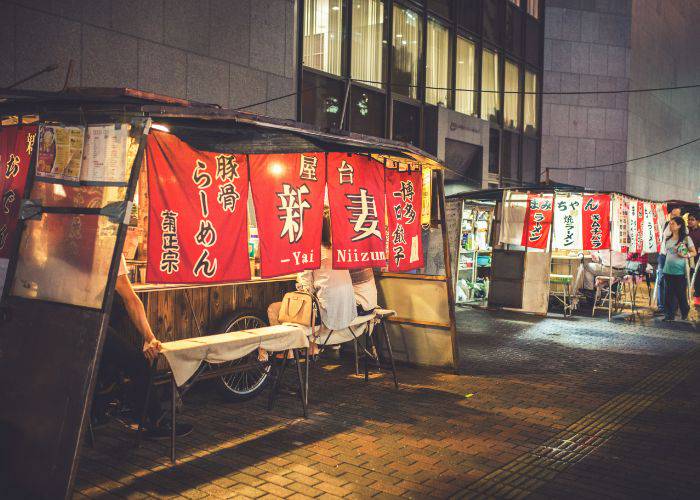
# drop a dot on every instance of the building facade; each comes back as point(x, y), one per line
point(622, 45)
point(411, 71)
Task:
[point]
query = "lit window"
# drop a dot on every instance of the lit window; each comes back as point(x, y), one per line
point(367, 41)
point(490, 96)
point(533, 8)
point(465, 101)
point(323, 34)
point(437, 71)
point(511, 89)
point(406, 46)
point(530, 107)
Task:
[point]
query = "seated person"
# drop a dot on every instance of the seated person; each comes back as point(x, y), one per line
point(365, 290)
point(332, 288)
point(119, 355)
point(600, 266)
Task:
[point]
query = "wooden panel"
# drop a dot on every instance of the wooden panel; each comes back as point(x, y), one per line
point(419, 300)
point(421, 345)
point(47, 359)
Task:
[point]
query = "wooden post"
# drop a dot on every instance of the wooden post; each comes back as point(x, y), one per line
point(448, 269)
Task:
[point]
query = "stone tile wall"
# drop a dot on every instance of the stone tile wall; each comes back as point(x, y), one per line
point(586, 49)
point(228, 52)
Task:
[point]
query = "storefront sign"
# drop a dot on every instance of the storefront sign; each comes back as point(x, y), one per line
point(632, 225)
point(426, 196)
point(288, 191)
point(197, 225)
point(620, 227)
point(538, 221)
point(649, 229)
point(567, 222)
point(640, 226)
point(403, 201)
point(16, 147)
point(596, 222)
point(356, 200)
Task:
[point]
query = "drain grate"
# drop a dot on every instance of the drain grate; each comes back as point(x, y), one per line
point(534, 469)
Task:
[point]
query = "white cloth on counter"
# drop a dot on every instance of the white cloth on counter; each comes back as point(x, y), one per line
point(359, 326)
point(185, 356)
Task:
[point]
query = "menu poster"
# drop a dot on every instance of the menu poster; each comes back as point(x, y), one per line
point(105, 155)
point(60, 153)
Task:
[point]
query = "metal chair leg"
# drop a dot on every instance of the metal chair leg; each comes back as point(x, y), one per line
point(300, 377)
point(357, 357)
point(366, 361)
point(173, 424)
point(277, 381)
point(306, 379)
point(90, 432)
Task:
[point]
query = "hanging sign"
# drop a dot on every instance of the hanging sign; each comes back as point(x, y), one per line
point(426, 197)
point(403, 201)
point(538, 221)
point(661, 215)
point(596, 222)
point(60, 153)
point(655, 219)
point(16, 146)
point(105, 155)
point(640, 226)
point(632, 225)
point(288, 192)
point(648, 229)
point(356, 200)
point(197, 224)
point(567, 222)
point(620, 225)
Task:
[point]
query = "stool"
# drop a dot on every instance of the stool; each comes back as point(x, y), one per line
point(563, 281)
point(605, 297)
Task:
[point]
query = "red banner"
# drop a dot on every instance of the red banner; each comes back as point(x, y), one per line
point(655, 217)
point(403, 201)
point(538, 221)
point(288, 191)
point(596, 222)
point(16, 146)
point(356, 200)
point(640, 226)
point(197, 217)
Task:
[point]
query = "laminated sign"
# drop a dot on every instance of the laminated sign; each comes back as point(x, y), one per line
point(356, 200)
point(197, 217)
point(403, 202)
point(538, 221)
point(596, 222)
point(288, 191)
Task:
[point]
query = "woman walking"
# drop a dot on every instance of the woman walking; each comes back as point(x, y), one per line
point(679, 249)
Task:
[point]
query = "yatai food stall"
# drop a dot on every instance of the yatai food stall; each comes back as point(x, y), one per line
point(541, 236)
point(225, 210)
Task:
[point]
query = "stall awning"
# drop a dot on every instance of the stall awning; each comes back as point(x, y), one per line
point(207, 126)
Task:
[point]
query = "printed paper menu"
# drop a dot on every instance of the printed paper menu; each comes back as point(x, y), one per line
point(60, 153)
point(104, 159)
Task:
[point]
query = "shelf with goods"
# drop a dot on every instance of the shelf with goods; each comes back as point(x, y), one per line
point(474, 260)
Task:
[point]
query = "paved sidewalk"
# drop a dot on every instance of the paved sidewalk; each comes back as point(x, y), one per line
point(544, 407)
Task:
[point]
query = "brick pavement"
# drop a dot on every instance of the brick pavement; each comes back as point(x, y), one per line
point(524, 382)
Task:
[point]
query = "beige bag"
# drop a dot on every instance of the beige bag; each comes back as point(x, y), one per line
point(297, 307)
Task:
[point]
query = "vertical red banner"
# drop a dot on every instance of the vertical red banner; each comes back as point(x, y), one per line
point(356, 199)
point(288, 191)
point(403, 201)
point(538, 221)
point(596, 222)
point(16, 147)
point(198, 213)
point(655, 217)
point(640, 226)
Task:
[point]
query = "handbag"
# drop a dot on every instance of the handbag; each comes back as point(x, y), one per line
point(298, 308)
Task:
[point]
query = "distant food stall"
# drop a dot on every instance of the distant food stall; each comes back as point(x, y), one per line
point(215, 211)
point(539, 239)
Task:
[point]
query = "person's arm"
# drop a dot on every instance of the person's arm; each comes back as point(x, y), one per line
point(692, 251)
point(137, 314)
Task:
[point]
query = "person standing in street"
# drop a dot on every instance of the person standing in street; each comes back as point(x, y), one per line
point(694, 233)
point(660, 283)
point(679, 249)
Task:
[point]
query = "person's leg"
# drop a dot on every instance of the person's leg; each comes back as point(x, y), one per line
point(134, 365)
point(670, 298)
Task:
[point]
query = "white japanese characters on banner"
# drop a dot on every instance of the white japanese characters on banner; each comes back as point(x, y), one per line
point(568, 222)
point(631, 224)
